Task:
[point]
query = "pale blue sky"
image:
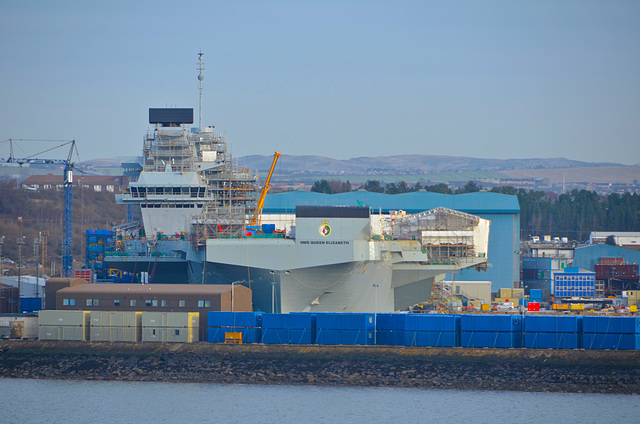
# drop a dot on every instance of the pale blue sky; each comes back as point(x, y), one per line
point(491, 79)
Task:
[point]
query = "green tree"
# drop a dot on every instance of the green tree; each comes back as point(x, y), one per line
point(469, 187)
point(439, 188)
point(373, 186)
point(322, 186)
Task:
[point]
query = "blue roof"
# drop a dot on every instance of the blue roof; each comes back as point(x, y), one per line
point(414, 202)
point(586, 257)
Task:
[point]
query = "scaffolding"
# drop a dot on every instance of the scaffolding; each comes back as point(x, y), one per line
point(446, 235)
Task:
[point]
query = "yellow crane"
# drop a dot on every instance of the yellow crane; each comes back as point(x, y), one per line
point(263, 194)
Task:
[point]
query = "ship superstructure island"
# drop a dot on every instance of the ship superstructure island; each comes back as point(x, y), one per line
point(201, 223)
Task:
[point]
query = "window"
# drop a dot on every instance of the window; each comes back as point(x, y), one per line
point(110, 188)
point(147, 302)
point(97, 188)
point(204, 303)
point(132, 302)
point(154, 303)
point(95, 302)
point(72, 302)
point(65, 302)
point(177, 332)
point(116, 302)
point(89, 302)
point(164, 303)
point(182, 303)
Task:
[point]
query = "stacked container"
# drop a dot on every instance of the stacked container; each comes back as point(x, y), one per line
point(345, 329)
point(618, 333)
point(296, 328)
point(390, 329)
point(63, 325)
point(501, 331)
point(247, 323)
point(170, 327)
point(116, 326)
point(437, 330)
point(553, 332)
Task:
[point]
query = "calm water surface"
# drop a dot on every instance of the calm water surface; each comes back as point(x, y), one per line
point(50, 401)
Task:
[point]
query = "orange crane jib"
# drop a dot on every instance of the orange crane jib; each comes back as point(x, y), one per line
point(256, 220)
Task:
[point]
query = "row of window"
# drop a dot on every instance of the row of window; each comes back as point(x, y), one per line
point(170, 205)
point(109, 188)
point(137, 191)
point(153, 303)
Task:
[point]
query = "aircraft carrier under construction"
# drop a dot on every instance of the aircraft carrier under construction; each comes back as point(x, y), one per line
point(201, 224)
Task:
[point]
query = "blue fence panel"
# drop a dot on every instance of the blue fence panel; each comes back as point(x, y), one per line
point(249, 335)
point(608, 325)
point(344, 337)
point(494, 339)
point(431, 322)
point(618, 341)
point(486, 322)
point(287, 336)
point(234, 319)
point(535, 340)
point(345, 321)
point(431, 338)
point(552, 323)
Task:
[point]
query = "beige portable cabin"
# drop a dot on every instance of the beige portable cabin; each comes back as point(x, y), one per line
point(64, 325)
point(170, 327)
point(112, 326)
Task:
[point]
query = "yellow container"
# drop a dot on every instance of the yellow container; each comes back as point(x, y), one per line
point(577, 307)
point(486, 307)
point(505, 293)
point(560, 306)
point(633, 308)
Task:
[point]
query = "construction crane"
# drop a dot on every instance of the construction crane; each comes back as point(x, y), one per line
point(263, 194)
point(67, 226)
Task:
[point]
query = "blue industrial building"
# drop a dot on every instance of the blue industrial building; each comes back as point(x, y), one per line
point(574, 282)
point(502, 210)
point(588, 257)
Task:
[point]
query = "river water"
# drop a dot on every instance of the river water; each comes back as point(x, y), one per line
point(52, 401)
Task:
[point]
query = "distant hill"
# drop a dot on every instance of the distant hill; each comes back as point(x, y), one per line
point(422, 164)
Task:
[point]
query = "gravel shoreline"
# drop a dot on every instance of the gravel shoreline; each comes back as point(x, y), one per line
point(530, 370)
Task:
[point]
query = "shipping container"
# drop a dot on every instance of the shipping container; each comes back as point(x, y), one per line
point(326, 336)
point(289, 328)
point(432, 322)
point(249, 335)
point(345, 321)
point(488, 322)
point(390, 329)
point(431, 338)
point(611, 325)
point(234, 319)
point(492, 339)
point(553, 324)
point(30, 304)
point(287, 336)
point(170, 327)
point(552, 340)
point(64, 325)
point(533, 306)
point(108, 326)
point(620, 341)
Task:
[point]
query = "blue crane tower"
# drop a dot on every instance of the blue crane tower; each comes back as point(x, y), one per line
point(67, 220)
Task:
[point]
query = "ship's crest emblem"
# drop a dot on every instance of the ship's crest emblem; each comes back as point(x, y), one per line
point(324, 229)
